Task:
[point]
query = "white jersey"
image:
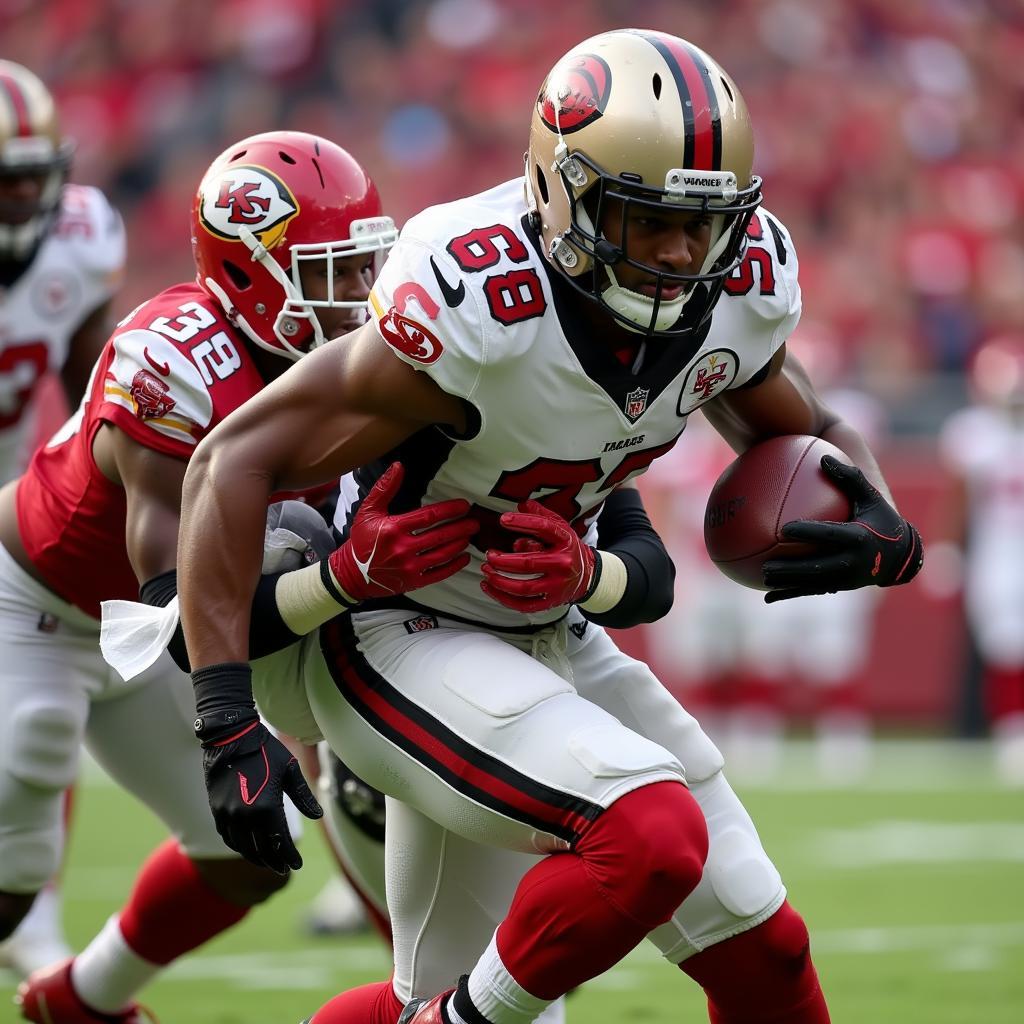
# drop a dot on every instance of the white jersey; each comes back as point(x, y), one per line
point(77, 268)
point(985, 447)
point(467, 297)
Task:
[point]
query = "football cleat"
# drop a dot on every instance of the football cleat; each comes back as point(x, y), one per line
point(48, 997)
point(426, 1011)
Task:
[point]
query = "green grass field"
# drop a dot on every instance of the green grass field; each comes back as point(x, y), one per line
point(912, 885)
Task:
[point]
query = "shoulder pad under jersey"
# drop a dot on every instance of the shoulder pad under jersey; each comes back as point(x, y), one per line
point(93, 232)
point(458, 288)
point(153, 380)
point(760, 303)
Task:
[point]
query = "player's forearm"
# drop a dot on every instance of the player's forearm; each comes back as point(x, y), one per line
point(220, 546)
point(844, 437)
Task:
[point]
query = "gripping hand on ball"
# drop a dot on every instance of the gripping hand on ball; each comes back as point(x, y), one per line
point(876, 547)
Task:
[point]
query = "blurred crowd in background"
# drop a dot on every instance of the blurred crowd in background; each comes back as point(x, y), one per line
point(890, 136)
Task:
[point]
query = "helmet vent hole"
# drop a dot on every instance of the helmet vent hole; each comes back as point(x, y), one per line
point(316, 164)
point(239, 278)
point(239, 154)
point(542, 184)
point(656, 85)
point(286, 157)
point(725, 86)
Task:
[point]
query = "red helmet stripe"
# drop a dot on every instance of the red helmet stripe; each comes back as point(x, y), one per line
point(703, 148)
point(18, 105)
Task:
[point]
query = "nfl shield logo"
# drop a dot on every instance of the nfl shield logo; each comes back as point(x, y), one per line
point(636, 402)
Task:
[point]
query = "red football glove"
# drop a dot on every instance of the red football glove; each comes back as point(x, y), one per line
point(560, 565)
point(390, 554)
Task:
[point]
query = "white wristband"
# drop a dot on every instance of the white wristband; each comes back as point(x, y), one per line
point(305, 602)
point(611, 584)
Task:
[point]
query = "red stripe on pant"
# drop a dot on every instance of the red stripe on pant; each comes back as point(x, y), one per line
point(418, 737)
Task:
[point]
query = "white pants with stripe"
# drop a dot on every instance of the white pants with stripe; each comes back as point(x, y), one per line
point(495, 748)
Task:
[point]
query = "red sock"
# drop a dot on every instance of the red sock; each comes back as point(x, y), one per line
point(577, 914)
point(369, 1004)
point(171, 910)
point(762, 976)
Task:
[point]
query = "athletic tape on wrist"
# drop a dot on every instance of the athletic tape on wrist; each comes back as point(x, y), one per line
point(611, 584)
point(306, 598)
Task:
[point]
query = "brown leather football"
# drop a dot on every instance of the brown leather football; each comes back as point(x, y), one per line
point(769, 485)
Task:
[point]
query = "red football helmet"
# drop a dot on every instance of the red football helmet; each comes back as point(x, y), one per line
point(31, 147)
point(266, 204)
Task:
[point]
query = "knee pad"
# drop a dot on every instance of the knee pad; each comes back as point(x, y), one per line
point(30, 859)
point(648, 850)
point(742, 877)
point(45, 743)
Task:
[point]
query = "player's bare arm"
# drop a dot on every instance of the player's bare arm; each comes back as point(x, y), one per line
point(878, 546)
point(152, 486)
point(786, 402)
point(331, 412)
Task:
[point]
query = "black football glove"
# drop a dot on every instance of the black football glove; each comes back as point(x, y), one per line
point(248, 770)
point(878, 547)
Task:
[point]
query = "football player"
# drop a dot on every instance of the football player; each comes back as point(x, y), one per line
point(287, 229)
point(983, 449)
point(533, 348)
point(61, 260)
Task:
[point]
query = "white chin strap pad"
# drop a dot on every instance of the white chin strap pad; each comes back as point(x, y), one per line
point(639, 309)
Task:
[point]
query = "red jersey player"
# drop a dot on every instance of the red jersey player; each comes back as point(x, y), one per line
point(61, 261)
point(286, 231)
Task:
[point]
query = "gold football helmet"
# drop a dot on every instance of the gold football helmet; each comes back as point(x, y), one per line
point(643, 118)
point(34, 161)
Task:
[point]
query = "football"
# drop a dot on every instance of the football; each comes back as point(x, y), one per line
point(769, 485)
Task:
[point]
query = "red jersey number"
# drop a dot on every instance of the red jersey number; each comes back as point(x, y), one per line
point(556, 484)
point(512, 297)
point(742, 278)
point(21, 366)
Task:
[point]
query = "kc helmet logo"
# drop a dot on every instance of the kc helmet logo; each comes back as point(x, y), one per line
point(246, 196)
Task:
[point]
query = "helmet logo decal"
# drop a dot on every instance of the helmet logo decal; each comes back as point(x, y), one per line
point(246, 196)
point(575, 93)
point(245, 207)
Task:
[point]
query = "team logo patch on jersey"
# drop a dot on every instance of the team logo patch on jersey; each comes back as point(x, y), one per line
point(55, 294)
point(420, 624)
point(149, 393)
point(246, 196)
point(708, 377)
point(636, 404)
point(409, 337)
point(575, 93)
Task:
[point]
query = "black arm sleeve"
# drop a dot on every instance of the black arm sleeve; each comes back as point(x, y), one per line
point(625, 530)
point(267, 630)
